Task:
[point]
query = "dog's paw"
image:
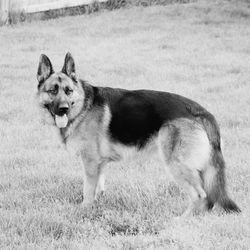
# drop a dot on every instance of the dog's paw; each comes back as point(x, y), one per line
point(99, 195)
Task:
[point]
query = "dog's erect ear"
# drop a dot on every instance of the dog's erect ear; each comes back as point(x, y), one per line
point(69, 66)
point(45, 69)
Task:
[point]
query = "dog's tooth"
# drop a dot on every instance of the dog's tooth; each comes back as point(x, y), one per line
point(61, 121)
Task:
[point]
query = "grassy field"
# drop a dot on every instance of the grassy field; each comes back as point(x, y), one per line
point(200, 50)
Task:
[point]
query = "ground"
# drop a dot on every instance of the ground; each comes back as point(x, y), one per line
point(199, 50)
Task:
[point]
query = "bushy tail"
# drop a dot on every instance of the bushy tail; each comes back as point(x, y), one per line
point(229, 205)
point(214, 184)
point(214, 176)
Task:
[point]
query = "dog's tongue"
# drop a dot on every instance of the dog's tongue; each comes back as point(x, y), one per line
point(61, 121)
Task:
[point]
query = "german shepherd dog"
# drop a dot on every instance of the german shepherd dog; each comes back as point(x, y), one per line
point(100, 124)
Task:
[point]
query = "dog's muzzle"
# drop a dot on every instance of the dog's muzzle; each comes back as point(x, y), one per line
point(61, 117)
point(63, 109)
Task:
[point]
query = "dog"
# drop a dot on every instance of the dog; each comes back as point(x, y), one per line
point(101, 124)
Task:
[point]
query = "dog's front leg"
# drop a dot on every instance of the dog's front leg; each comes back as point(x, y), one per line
point(93, 176)
point(100, 188)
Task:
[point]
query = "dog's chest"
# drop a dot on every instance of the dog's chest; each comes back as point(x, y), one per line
point(84, 136)
point(74, 145)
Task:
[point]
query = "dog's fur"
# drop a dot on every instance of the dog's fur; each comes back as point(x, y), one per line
point(104, 123)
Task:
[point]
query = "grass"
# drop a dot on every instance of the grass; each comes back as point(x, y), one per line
point(200, 50)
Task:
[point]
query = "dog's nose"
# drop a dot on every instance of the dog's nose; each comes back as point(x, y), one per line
point(63, 108)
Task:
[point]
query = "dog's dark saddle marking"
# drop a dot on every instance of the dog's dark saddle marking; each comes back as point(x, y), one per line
point(139, 114)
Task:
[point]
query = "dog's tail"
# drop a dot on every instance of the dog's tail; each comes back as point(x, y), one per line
point(214, 176)
point(215, 186)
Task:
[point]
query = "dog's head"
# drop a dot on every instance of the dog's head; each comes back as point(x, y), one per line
point(61, 94)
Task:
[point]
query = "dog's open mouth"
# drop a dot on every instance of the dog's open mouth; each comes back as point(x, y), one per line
point(61, 121)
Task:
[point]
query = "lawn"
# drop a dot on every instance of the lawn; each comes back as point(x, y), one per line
point(199, 50)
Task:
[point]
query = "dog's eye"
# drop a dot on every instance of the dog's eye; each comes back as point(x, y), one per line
point(52, 91)
point(68, 91)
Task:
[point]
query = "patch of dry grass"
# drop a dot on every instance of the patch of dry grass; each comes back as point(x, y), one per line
point(200, 50)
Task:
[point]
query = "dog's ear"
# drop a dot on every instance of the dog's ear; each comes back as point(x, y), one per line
point(45, 69)
point(69, 67)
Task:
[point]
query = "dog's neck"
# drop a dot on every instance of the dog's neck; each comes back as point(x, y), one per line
point(86, 109)
point(72, 126)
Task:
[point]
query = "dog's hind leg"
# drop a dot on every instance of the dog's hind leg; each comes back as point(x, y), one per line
point(185, 149)
point(197, 196)
point(191, 183)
